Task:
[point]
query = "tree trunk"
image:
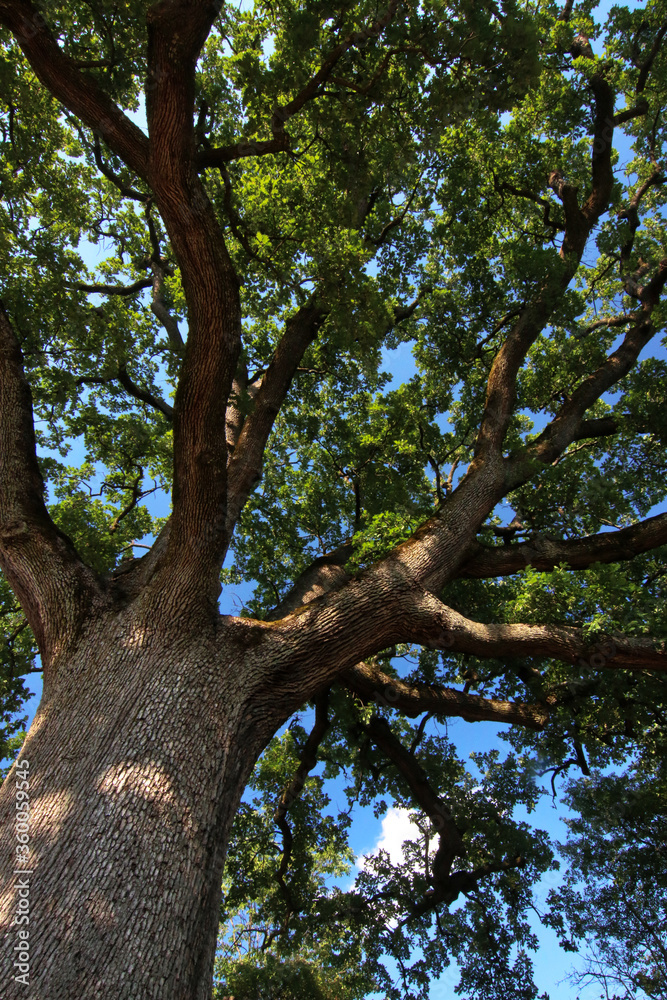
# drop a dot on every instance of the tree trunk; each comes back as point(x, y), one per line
point(137, 759)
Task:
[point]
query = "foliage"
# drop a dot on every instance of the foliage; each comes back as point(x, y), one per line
point(354, 926)
point(298, 979)
point(614, 896)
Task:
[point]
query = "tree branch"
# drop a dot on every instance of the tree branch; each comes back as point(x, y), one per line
point(308, 758)
point(372, 684)
point(566, 11)
point(565, 426)
point(245, 463)
point(102, 289)
point(323, 576)
point(464, 881)
point(131, 388)
point(312, 88)
point(631, 216)
point(602, 173)
point(219, 157)
point(450, 841)
point(177, 29)
point(160, 310)
point(143, 395)
point(579, 222)
point(104, 168)
point(292, 792)
point(42, 566)
point(636, 111)
point(606, 323)
point(645, 67)
point(77, 91)
point(235, 415)
point(579, 553)
point(442, 627)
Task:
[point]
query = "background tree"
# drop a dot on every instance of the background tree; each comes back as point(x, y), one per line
point(315, 185)
point(614, 896)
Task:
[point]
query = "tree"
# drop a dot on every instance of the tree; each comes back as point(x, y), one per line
point(615, 896)
point(316, 185)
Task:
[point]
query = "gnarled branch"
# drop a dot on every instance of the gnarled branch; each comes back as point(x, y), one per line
point(450, 841)
point(293, 790)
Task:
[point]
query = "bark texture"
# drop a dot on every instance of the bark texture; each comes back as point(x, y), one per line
point(137, 760)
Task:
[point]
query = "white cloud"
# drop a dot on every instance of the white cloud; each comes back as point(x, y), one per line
point(397, 827)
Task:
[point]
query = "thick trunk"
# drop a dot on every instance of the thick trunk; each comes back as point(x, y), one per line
point(137, 760)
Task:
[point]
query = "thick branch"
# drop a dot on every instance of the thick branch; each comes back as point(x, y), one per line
point(236, 151)
point(101, 289)
point(602, 173)
point(464, 881)
point(235, 406)
point(176, 32)
point(442, 627)
point(373, 684)
point(42, 566)
point(323, 576)
point(545, 554)
point(636, 111)
point(566, 11)
point(333, 633)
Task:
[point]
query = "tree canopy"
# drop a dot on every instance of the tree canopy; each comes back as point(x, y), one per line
point(614, 895)
point(479, 188)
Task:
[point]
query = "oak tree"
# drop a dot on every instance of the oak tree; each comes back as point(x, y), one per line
point(279, 196)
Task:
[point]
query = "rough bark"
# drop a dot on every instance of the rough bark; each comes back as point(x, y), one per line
point(137, 760)
point(197, 541)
